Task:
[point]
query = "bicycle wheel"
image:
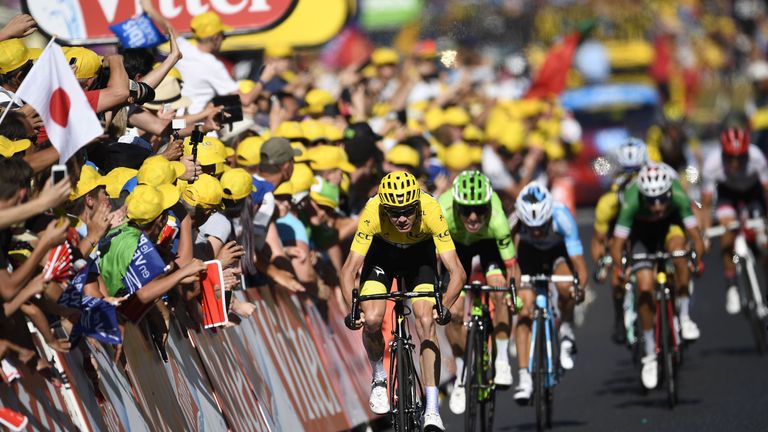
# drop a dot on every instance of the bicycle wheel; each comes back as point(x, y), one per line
point(403, 391)
point(490, 374)
point(667, 353)
point(539, 375)
point(749, 306)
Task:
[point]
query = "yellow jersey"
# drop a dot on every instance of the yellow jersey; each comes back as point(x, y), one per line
point(606, 211)
point(429, 223)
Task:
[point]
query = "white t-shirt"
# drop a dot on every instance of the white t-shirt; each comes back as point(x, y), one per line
point(204, 76)
point(713, 172)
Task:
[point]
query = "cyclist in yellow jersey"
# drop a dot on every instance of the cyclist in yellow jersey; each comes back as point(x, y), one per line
point(402, 231)
point(631, 155)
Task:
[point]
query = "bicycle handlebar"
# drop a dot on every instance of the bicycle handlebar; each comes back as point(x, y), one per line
point(752, 224)
point(662, 255)
point(527, 279)
point(477, 286)
point(443, 314)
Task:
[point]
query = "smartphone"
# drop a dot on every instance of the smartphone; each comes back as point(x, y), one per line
point(167, 107)
point(178, 124)
point(58, 173)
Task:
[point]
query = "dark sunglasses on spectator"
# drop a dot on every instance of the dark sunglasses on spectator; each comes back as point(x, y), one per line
point(396, 212)
point(479, 210)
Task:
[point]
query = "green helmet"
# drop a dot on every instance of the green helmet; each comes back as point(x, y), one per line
point(472, 188)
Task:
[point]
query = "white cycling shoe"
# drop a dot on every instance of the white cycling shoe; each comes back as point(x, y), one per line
point(379, 401)
point(524, 388)
point(503, 375)
point(732, 300)
point(688, 329)
point(567, 353)
point(458, 400)
point(650, 373)
point(433, 422)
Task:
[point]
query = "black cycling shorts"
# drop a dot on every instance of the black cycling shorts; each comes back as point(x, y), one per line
point(487, 250)
point(384, 261)
point(534, 260)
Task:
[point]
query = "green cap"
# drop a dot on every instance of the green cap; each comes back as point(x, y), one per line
point(276, 151)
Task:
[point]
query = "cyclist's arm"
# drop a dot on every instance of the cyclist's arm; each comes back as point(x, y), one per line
point(606, 209)
point(683, 203)
point(458, 278)
point(624, 222)
point(706, 210)
point(349, 271)
point(503, 236)
point(580, 268)
point(565, 224)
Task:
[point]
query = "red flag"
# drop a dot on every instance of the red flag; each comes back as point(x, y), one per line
point(550, 80)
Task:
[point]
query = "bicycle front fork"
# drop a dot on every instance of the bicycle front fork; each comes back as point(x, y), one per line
point(543, 319)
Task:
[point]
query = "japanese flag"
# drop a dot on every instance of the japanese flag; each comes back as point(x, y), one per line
point(53, 91)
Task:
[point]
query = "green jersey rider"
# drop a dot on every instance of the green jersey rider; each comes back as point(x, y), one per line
point(479, 227)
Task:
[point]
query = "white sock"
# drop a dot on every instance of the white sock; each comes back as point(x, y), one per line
point(523, 372)
point(459, 368)
point(649, 340)
point(379, 374)
point(566, 331)
point(432, 400)
point(502, 351)
point(683, 304)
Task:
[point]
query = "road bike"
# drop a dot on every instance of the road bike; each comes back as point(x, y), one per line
point(479, 366)
point(752, 303)
point(406, 392)
point(668, 347)
point(544, 357)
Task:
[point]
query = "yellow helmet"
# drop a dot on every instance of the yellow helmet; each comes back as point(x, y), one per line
point(399, 189)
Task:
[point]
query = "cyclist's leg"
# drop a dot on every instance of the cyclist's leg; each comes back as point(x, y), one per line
point(566, 304)
point(420, 274)
point(643, 241)
point(455, 330)
point(492, 264)
point(676, 241)
point(726, 213)
point(618, 293)
point(530, 263)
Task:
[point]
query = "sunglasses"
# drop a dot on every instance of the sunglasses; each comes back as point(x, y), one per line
point(661, 199)
point(479, 210)
point(397, 212)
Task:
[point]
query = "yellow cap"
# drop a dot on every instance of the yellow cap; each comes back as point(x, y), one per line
point(313, 130)
point(236, 184)
point(403, 154)
point(278, 50)
point(326, 157)
point(384, 56)
point(171, 73)
point(472, 133)
point(304, 156)
point(207, 24)
point(434, 118)
point(10, 147)
point(290, 130)
point(285, 188)
point(248, 151)
point(302, 178)
point(206, 192)
point(34, 53)
point(317, 99)
point(476, 154)
point(246, 85)
point(333, 132)
point(87, 62)
point(458, 156)
point(513, 136)
point(147, 202)
point(157, 170)
point(89, 180)
point(116, 179)
point(209, 152)
point(456, 116)
point(13, 55)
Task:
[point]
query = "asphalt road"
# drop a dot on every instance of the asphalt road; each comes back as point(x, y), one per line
point(723, 382)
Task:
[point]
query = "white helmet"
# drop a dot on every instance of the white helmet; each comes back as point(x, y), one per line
point(655, 179)
point(632, 153)
point(534, 205)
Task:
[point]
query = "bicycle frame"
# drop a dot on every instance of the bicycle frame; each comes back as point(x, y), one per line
point(543, 309)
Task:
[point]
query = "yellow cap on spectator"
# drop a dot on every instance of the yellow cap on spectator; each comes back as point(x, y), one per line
point(147, 202)
point(290, 130)
point(302, 178)
point(304, 156)
point(89, 180)
point(236, 184)
point(207, 24)
point(285, 188)
point(116, 179)
point(246, 85)
point(333, 132)
point(313, 130)
point(476, 154)
point(206, 192)
point(34, 53)
point(434, 118)
point(324, 193)
point(209, 152)
point(278, 50)
point(472, 133)
point(403, 154)
point(456, 116)
point(513, 136)
point(458, 156)
point(326, 157)
point(248, 151)
point(13, 55)
point(385, 56)
point(317, 99)
point(9, 147)
point(87, 62)
point(157, 170)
